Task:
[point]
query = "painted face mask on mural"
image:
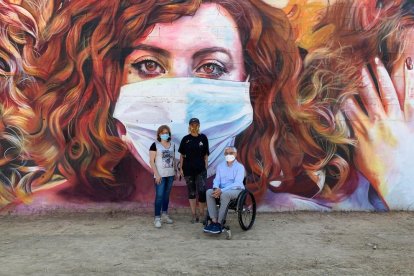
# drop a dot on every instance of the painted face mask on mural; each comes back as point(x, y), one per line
point(223, 108)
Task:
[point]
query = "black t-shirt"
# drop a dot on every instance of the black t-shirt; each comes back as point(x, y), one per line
point(153, 147)
point(193, 149)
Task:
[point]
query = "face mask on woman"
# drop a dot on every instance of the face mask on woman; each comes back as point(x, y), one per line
point(223, 108)
point(164, 137)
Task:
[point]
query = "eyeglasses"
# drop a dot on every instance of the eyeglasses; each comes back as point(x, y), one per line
point(229, 153)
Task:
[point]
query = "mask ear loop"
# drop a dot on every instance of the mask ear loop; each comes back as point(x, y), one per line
point(248, 78)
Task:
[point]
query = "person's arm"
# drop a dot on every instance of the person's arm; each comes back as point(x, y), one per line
point(206, 161)
point(241, 173)
point(175, 163)
point(216, 181)
point(207, 152)
point(181, 165)
point(152, 156)
point(181, 150)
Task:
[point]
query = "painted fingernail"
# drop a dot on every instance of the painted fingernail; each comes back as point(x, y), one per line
point(380, 4)
point(409, 63)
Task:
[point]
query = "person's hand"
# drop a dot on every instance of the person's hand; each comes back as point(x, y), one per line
point(157, 179)
point(181, 172)
point(385, 133)
point(216, 193)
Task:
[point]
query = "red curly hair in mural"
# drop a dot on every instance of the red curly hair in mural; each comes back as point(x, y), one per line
point(18, 30)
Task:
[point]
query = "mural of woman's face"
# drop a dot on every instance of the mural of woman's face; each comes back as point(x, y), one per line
point(192, 67)
point(206, 45)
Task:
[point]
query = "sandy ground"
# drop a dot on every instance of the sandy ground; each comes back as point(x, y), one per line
point(279, 244)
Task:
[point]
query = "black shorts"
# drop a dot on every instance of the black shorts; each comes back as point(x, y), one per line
point(196, 184)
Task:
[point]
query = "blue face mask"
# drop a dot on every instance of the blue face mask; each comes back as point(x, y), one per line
point(164, 137)
point(223, 108)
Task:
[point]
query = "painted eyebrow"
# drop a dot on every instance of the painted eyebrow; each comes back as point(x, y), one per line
point(156, 50)
point(211, 50)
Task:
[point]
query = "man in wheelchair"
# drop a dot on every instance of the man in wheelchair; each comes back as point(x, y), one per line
point(227, 185)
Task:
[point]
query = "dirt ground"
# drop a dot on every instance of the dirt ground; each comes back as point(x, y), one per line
point(120, 243)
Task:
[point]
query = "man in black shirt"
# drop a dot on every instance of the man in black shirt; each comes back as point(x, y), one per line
point(193, 166)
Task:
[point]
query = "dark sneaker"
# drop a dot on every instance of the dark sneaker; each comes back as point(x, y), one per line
point(215, 228)
point(208, 228)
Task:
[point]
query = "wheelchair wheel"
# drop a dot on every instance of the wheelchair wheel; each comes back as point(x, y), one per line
point(246, 210)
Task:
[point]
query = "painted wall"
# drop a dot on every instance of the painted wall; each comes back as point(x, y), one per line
point(318, 98)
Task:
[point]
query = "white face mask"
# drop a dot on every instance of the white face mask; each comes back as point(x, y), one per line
point(230, 158)
point(223, 107)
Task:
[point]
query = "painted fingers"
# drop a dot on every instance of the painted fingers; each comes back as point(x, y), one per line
point(409, 91)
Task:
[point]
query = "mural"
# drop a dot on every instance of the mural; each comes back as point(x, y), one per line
point(317, 96)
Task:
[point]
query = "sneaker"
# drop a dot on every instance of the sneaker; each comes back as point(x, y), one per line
point(165, 218)
point(157, 222)
point(216, 228)
point(213, 228)
point(208, 228)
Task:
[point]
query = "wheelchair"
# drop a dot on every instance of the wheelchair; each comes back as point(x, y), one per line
point(245, 208)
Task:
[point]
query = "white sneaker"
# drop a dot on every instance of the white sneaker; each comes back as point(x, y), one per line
point(166, 219)
point(157, 222)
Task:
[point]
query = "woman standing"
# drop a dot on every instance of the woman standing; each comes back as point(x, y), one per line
point(194, 152)
point(162, 163)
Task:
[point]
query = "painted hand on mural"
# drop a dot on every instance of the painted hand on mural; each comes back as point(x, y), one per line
point(384, 132)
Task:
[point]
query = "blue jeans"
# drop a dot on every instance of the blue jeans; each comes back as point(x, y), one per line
point(162, 194)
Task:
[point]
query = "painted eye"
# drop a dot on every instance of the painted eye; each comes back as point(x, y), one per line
point(148, 68)
point(211, 70)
